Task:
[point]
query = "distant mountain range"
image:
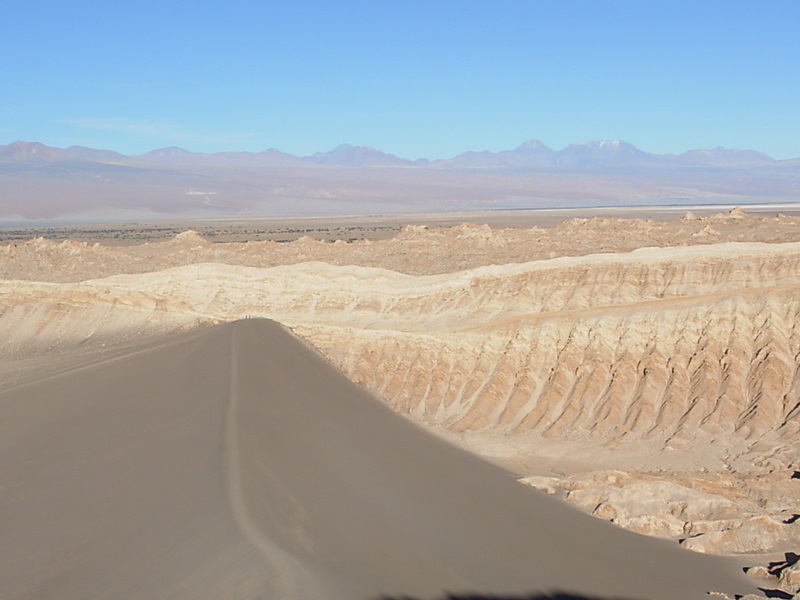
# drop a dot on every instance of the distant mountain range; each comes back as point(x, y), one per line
point(43, 182)
point(531, 154)
point(605, 153)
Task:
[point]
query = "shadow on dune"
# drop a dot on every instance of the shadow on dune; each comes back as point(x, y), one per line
point(551, 596)
point(233, 462)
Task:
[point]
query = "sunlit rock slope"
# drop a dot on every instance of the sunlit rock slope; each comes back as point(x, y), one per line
point(680, 360)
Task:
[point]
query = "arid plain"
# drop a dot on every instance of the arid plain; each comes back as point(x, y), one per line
point(641, 367)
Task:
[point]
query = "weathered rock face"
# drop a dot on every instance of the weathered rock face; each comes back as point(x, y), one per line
point(759, 534)
point(781, 578)
point(723, 513)
point(658, 360)
point(416, 250)
point(667, 347)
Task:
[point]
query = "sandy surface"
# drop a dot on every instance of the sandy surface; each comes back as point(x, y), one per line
point(357, 227)
point(643, 370)
point(436, 245)
point(234, 462)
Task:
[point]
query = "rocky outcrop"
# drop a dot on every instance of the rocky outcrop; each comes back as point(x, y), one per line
point(721, 513)
point(415, 250)
point(672, 348)
point(651, 362)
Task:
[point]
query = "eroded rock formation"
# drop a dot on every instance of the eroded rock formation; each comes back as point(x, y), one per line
point(675, 366)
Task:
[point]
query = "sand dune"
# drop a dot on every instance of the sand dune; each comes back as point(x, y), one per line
point(656, 388)
point(679, 361)
point(234, 462)
point(654, 346)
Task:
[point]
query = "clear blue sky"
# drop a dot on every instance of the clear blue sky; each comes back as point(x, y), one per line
point(418, 79)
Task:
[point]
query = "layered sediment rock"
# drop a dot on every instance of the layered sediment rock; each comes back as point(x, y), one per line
point(654, 361)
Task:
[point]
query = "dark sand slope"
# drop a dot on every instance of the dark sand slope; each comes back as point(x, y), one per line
point(234, 462)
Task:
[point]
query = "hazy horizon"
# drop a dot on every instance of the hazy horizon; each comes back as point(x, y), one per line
point(347, 145)
point(412, 79)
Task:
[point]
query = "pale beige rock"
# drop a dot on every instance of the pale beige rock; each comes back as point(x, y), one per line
point(759, 534)
point(759, 571)
point(649, 498)
point(655, 525)
point(548, 485)
point(416, 250)
point(790, 577)
point(671, 372)
point(782, 578)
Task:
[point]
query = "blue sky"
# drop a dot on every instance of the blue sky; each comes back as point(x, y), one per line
point(417, 79)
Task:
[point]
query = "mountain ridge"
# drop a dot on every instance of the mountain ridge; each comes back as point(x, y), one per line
point(44, 182)
point(532, 153)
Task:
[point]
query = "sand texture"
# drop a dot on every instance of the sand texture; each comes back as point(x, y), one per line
point(235, 462)
point(646, 373)
point(417, 249)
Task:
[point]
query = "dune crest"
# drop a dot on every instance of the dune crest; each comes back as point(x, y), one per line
point(233, 461)
point(609, 379)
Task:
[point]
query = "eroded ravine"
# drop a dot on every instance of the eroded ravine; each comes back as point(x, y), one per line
point(655, 361)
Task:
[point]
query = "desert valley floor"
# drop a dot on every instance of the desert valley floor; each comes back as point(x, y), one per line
point(383, 411)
